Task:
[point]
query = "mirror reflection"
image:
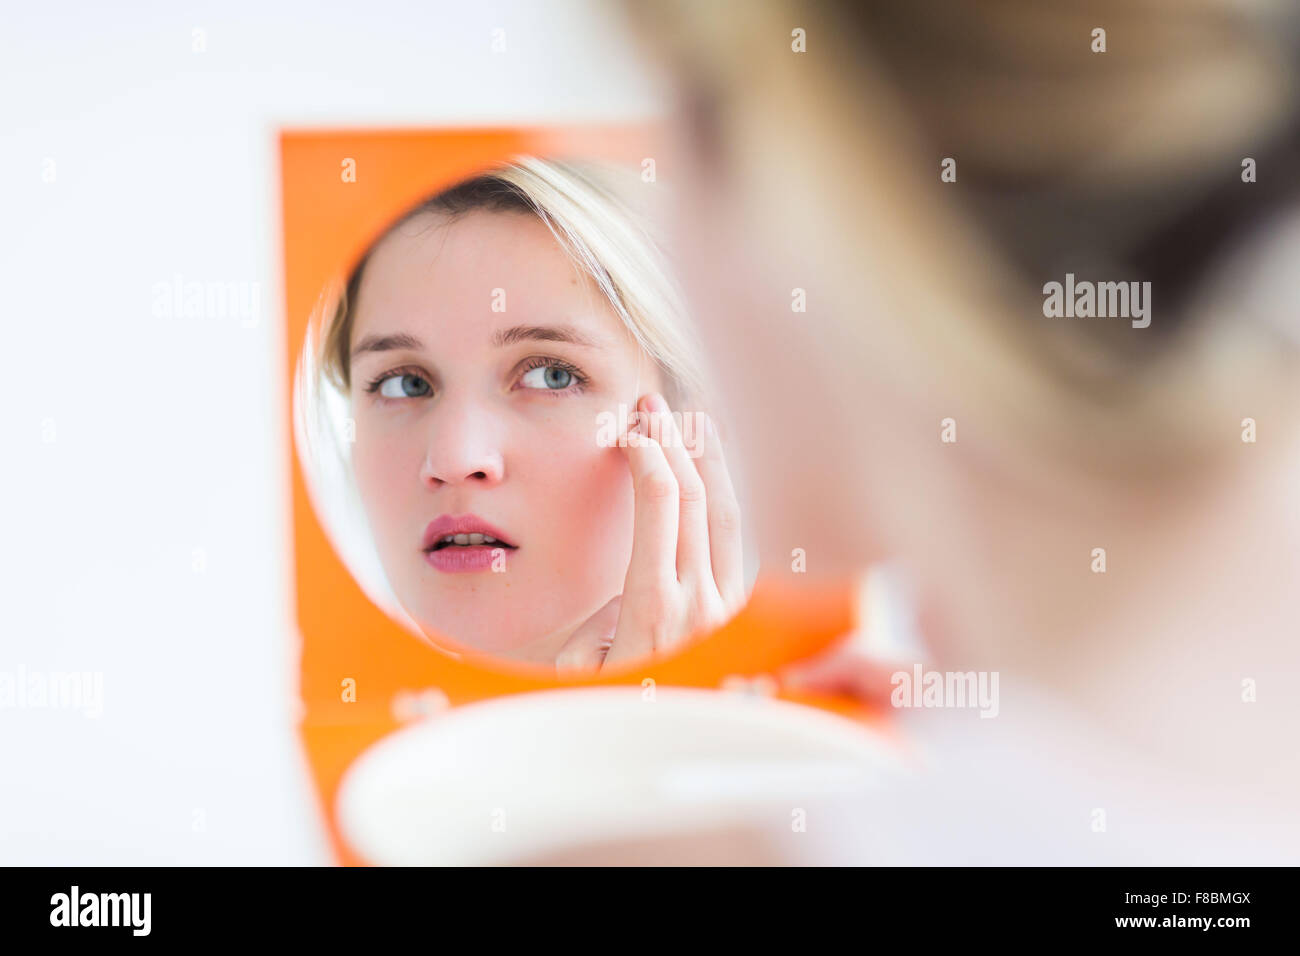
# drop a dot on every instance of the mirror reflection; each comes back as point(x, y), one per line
point(503, 417)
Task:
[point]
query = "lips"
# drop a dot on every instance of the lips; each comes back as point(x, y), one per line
point(448, 526)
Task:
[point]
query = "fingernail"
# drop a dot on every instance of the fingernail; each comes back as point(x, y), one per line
point(657, 403)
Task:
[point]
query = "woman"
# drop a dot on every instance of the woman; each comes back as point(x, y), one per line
point(1087, 506)
point(493, 348)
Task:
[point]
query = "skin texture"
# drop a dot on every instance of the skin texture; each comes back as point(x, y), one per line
point(459, 424)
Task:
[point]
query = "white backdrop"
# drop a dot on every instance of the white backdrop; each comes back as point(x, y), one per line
point(145, 490)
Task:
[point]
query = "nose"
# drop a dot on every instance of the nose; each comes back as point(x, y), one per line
point(463, 446)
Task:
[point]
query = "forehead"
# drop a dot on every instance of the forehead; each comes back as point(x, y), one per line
point(467, 277)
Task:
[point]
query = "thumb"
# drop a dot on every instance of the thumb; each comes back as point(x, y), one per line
point(841, 671)
point(585, 649)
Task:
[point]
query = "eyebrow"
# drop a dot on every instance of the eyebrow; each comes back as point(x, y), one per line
point(502, 338)
point(387, 343)
point(543, 333)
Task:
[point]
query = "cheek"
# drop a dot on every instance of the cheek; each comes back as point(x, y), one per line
point(582, 492)
point(386, 477)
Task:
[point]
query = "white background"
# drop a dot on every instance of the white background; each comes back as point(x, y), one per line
point(168, 434)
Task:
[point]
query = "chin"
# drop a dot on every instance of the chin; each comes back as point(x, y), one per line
point(479, 635)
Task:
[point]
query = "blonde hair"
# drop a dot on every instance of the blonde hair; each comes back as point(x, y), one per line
point(602, 215)
point(1065, 156)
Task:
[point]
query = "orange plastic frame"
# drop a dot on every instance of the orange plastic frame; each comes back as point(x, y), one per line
point(355, 659)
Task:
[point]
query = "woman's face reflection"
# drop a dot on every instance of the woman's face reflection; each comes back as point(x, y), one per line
point(482, 360)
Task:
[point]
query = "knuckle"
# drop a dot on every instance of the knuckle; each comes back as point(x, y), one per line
point(659, 484)
point(691, 491)
point(726, 516)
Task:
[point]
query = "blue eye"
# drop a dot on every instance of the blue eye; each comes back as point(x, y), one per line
point(547, 376)
point(404, 386)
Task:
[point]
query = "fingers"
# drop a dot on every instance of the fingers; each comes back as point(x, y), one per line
point(686, 572)
point(585, 649)
point(693, 562)
point(649, 591)
point(841, 671)
point(726, 549)
point(655, 512)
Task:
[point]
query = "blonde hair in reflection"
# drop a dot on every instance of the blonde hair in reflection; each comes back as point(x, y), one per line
point(1063, 156)
point(603, 216)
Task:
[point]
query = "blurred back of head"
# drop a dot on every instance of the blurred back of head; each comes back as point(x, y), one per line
point(818, 135)
point(1108, 140)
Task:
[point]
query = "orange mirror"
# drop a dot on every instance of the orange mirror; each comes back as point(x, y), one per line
point(450, 294)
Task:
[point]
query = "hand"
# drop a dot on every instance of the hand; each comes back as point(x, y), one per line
point(844, 672)
point(686, 574)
